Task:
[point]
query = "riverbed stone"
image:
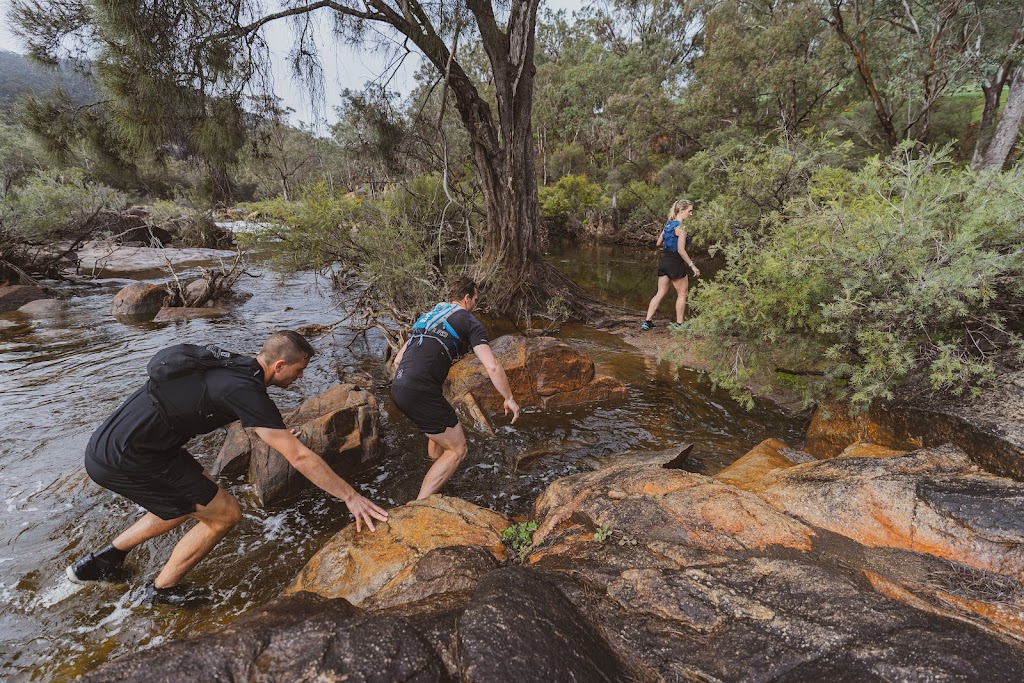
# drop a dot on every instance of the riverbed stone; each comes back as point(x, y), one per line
point(386, 563)
point(342, 425)
point(301, 637)
point(932, 501)
point(168, 314)
point(989, 428)
point(13, 297)
point(43, 308)
point(691, 509)
point(767, 456)
point(520, 627)
point(542, 372)
point(138, 301)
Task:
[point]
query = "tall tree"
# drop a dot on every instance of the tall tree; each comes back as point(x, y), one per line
point(998, 50)
point(210, 51)
point(908, 55)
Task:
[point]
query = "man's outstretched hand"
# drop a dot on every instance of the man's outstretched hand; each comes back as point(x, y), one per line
point(364, 510)
point(511, 405)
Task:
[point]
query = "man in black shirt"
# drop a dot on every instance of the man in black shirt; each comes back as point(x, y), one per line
point(139, 453)
point(439, 339)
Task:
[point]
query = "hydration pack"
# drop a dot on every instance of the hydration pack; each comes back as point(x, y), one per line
point(434, 325)
point(177, 385)
point(669, 239)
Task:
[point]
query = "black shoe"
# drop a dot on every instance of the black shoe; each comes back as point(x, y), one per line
point(648, 325)
point(94, 567)
point(176, 596)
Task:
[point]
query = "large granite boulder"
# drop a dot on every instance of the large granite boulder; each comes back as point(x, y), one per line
point(43, 308)
point(342, 425)
point(771, 454)
point(394, 564)
point(13, 297)
point(138, 301)
point(932, 501)
point(989, 429)
point(294, 639)
point(542, 372)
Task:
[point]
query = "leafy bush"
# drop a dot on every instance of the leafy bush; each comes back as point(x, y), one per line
point(571, 197)
point(903, 275)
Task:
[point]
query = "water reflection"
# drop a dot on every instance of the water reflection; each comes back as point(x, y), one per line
point(61, 378)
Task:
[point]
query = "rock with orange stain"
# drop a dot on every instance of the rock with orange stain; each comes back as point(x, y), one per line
point(672, 506)
point(767, 456)
point(383, 564)
point(541, 371)
point(870, 450)
point(932, 501)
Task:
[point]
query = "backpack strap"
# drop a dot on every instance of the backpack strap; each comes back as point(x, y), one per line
point(438, 317)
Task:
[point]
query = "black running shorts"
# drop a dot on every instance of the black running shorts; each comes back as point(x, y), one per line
point(168, 494)
point(671, 264)
point(427, 409)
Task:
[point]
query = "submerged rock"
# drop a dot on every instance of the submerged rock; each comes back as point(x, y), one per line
point(43, 308)
point(542, 372)
point(13, 297)
point(171, 313)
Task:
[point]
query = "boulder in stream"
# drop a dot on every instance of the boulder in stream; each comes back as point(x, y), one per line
point(341, 424)
point(169, 314)
point(542, 372)
point(139, 301)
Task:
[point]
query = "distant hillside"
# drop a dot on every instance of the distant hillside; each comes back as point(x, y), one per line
point(20, 76)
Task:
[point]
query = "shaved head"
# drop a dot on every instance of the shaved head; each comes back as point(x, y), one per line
point(286, 345)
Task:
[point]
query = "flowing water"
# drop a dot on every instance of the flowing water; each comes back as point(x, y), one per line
point(60, 378)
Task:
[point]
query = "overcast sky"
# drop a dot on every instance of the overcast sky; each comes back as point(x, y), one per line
point(343, 66)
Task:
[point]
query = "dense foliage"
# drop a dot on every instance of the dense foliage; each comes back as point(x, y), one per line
point(906, 273)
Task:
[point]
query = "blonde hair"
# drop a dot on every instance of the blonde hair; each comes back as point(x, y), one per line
point(679, 205)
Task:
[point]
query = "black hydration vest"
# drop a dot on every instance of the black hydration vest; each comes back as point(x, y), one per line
point(177, 385)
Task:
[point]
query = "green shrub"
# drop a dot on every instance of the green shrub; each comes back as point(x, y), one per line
point(901, 276)
point(571, 197)
point(519, 539)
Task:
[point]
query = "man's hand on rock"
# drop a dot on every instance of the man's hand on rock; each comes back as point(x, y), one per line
point(511, 405)
point(364, 510)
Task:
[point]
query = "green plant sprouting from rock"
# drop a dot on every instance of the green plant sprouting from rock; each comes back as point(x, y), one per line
point(519, 539)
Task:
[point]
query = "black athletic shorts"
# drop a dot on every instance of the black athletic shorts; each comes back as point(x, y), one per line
point(169, 493)
point(671, 264)
point(427, 409)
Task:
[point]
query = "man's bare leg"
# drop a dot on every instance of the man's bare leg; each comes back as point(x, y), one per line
point(149, 526)
point(215, 520)
point(452, 446)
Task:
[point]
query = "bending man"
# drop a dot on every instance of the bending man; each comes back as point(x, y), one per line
point(439, 339)
point(138, 452)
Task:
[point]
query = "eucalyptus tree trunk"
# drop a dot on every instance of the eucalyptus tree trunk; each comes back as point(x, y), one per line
point(1007, 129)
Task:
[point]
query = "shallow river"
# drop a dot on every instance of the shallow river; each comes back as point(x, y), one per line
point(60, 378)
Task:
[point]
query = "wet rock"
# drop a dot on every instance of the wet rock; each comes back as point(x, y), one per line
point(386, 564)
point(169, 314)
point(767, 456)
point(138, 301)
point(690, 509)
point(930, 501)
point(142, 235)
point(13, 297)
point(521, 627)
point(43, 308)
point(300, 637)
point(342, 425)
point(542, 372)
point(990, 429)
point(449, 569)
point(870, 450)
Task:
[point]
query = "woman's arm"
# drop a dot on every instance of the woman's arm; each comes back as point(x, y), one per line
point(681, 248)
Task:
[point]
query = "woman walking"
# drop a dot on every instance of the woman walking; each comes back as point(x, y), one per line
point(675, 264)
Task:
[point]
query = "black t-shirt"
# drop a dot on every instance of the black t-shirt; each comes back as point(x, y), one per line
point(425, 364)
point(137, 436)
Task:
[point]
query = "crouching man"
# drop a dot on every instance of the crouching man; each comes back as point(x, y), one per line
point(138, 452)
